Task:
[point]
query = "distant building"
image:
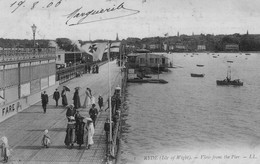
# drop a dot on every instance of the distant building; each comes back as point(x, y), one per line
point(179, 46)
point(201, 47)
point(232, 47)
point(165, 46)
point(154, 46)
point(151, 60)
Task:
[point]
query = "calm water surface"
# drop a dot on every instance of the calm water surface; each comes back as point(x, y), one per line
point(193, 116)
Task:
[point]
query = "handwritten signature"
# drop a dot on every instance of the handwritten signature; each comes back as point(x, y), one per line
point(77, 17)
point(18, 4)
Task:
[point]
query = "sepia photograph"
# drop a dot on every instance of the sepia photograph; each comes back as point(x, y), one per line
point(130, 81)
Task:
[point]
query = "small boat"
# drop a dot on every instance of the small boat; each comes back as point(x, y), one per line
point(197, 75)
point(228, 80)
point(200, 65)
point(248, 54)
point(214, 56)
point(230, 61)
point(147, 81)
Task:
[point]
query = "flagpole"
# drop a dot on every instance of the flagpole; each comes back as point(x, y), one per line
point(110, 111)
point(120, 49)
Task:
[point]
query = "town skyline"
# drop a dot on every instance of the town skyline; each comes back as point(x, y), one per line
point(103, 19)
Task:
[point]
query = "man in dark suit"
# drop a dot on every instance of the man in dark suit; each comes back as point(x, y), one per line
point(56, 96)
point(45, 100)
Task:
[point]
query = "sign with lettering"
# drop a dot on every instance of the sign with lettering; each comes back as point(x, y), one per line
point(11, 108)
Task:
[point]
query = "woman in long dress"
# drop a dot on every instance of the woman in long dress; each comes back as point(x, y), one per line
point(76, 98)
point(64, 97)
point(70, 132)
point(79, 130)
point(90, 134)
point(88, 97)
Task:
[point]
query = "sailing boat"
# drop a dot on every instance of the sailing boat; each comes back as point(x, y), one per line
point(228, 80)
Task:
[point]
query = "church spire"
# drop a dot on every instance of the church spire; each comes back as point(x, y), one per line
point(117, 37)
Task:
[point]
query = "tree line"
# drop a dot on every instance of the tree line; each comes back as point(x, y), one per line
point(216, 43)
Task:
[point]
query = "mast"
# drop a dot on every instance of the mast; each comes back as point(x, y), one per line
point(229, 73)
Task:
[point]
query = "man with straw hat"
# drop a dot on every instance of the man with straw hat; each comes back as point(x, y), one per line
point(93, 112)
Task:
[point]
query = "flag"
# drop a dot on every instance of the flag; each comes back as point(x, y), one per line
point(95, 49)
point(114, 47)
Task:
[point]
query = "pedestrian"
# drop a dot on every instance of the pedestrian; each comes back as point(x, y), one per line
point(46, 139)
point(70, 132)
point(76, 98)
point(64, 96)
point(113, 103)
point(5, 151)
point(93, 112)
point(100, 102)
point(70, 111)
point(107, 129)
point(88, 96)
point(79, 130)
point(56, 96)
point(93, 69)
point(45, 100)
point(97, 68)
point(90, 133)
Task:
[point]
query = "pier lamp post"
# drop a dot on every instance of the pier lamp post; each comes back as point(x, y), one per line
point(34, 30)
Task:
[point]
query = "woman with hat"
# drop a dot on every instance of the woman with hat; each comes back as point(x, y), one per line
point(71, 111)
point(79, 130)
point(89, 132)
point(88, 97)
point(70, 132)
point(76, 98)
point(64, 96)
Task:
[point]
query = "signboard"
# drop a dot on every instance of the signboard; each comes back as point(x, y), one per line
point(51, 80)
point(25, 89)
point(44, 83)
point(132, 76)
point(131, 70)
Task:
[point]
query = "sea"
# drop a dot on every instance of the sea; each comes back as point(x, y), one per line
point(191, 119)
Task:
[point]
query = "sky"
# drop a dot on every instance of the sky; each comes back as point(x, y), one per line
point(130, 18)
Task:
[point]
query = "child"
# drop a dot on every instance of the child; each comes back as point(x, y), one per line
point(5, 149)
point(46, 140)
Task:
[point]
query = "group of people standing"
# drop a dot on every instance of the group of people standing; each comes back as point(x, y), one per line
point(79, 130)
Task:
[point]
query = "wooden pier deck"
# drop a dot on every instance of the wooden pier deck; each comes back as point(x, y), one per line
point(25, 130)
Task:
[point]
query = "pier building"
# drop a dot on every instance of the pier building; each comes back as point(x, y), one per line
point(24, 74)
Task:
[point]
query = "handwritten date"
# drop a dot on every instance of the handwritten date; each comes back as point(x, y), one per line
point(17, 4)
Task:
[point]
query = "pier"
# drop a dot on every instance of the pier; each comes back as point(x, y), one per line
point(25, 129)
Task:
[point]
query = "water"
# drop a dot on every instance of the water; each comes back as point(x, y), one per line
point(193, 116)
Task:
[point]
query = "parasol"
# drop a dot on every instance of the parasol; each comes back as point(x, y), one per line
point(87, 119)
point(66, 88)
